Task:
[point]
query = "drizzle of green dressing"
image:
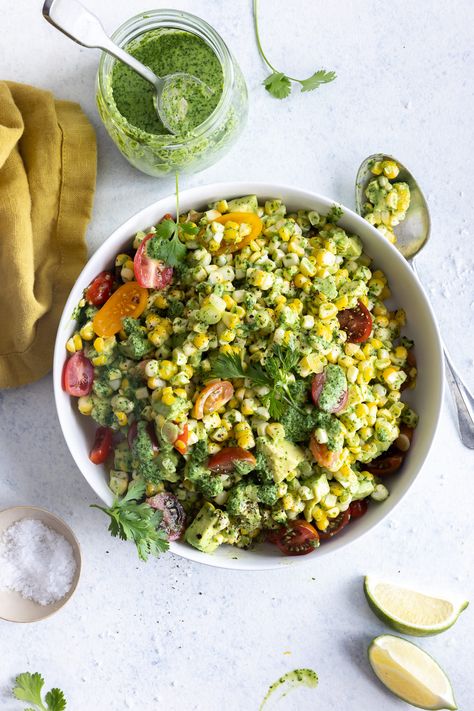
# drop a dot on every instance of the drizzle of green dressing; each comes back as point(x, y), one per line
point(167, 51)
point(291, 680)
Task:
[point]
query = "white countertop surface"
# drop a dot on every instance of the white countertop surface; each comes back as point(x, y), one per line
point(182, 636)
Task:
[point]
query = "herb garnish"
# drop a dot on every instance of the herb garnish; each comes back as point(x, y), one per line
point(136, 522)
point(169, 247)
point(334, 214)
point(273, 373)
point(277, 83)
point(29, 688)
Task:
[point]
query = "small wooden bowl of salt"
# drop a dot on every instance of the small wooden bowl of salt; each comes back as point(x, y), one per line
point(40, 564)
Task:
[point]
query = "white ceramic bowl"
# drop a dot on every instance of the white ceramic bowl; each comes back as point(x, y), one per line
point(407, 293)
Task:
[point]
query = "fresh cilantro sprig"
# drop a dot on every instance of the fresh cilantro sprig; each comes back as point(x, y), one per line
point(169, 247)
point(29, 688)
point(273, 373)
point(132, 521)
point(279, 84)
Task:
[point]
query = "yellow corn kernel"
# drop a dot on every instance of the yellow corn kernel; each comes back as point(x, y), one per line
point(288, 501)
point(99, 360)
point(311, 363)
point(296, 305)
point(99, 345)
point(361, 410)
point(246, 440)
point(401, 352)
point(300, 281)
point(327, 311)
point(160, 302)
point(152, 489)
point(158, 336)
point(368, 350)
point(333, 355)
point(284, 234)
point(70, 347)
point(376, 343)
point(188, 370)
point(322, 522)
point(364, 299)
point(377, 168)
point(336, 489)
point(229, 301)
point(121, 418)
point(342, 302)
point(381, 321)
point(167, 369)
point(294, 247)
point(213, 245)
point(325, 258)
point(201, 341)
point(180, 392)
point(390, 169)
point(84, 405)
point(365, 433)
point(167, 397)
point(307, 268)
point(180, 446)
point(230, 320)
point(121, 259)
point(87, 331)
point(324, 331)
point(247, 407)
point(154, 382)
point(390, 375)
point(227, 336)
point(77, 341)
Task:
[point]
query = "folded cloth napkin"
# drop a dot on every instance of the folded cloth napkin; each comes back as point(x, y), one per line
point(47, 182)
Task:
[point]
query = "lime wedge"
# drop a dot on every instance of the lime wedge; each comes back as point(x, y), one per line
point(410, 673)
point(409, 611)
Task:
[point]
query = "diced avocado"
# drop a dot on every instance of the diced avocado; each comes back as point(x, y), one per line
point(123, 457)
point(118, 482)
point(364, 489)
point(319, 486)
point(282, 457)
point(249, 203)
point(204, 532)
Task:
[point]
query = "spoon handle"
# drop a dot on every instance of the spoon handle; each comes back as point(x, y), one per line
point(463, 399)
point(82, 26)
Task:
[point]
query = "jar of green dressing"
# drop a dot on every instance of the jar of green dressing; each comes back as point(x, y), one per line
point(170, 41)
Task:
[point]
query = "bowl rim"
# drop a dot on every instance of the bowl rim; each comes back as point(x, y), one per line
point(264, 190)
point(76, 546)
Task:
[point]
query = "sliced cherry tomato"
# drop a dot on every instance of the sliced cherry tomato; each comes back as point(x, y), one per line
point(214, 396)
point(298, 538)
point(224, 461)
point(102, 445)
point(78, 375)
point(358, 508)
point(174, 517)
point(132, 433)
point(149, 272)
point(129, 300)
point(324, 457)
point(249, 218)
point(385, 464)
point(317, 387)
point(100, 289)
point(357, 323)
point(181, 442)
point(335, 525)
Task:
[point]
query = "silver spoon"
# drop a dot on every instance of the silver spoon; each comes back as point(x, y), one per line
point(412, 234)
point(82, 26)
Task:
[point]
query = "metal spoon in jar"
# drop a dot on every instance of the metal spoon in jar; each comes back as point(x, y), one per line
point(171, 104)
point(412, 234)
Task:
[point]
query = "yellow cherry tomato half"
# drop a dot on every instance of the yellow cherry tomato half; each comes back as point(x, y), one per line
point(249, 218)
point(129, 300)
point(214, 396)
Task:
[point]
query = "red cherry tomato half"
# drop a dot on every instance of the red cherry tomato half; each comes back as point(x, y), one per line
point(224, 461)
point(385, 464)
point(214, 396)
point(357, 323)
point(335, 525)
point(298, 538)
point(358, 508)
point(78, 375)
point(151, 273)
point(317, 388)
point(102, 445)
point(181, 442)
point(174, 517)
point(100, 289)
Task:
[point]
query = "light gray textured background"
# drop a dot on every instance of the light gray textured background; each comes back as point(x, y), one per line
point(180, 636)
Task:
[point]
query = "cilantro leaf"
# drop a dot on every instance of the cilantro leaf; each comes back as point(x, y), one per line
point(29, 688)
point(316, 79)
point(278, 85)
point(137, 522)
point(166, 244)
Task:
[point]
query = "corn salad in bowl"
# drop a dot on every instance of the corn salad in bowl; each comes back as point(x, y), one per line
point(243, 364)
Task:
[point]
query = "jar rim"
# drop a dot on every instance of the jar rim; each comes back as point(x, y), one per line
point(178, 20)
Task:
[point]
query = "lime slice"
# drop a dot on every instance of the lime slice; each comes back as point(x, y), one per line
point(409, 611)
point(410, 673)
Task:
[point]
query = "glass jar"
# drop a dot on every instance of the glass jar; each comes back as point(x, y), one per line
point(160, 155)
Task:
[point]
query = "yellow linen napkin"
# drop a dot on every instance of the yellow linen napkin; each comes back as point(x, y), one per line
point(47, 182)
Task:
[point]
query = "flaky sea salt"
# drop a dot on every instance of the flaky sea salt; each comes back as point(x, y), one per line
point(36, 561)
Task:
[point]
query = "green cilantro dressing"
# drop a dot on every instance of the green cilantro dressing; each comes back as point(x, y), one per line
point(334, 387)
point(291, 680)
point(168, 51)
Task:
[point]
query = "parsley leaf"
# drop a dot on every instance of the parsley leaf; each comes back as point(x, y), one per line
point(277, 83)
point(131, 521)
point(29, 688)
point(315, 81)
